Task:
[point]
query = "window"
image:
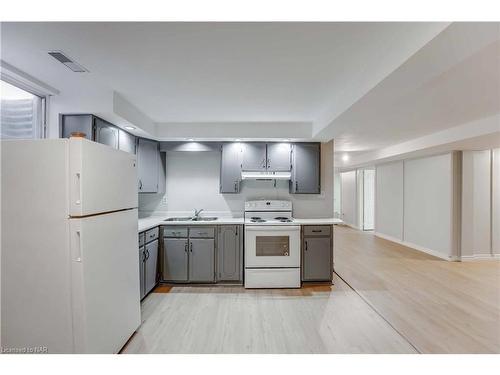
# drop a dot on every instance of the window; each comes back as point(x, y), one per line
point(22, 113)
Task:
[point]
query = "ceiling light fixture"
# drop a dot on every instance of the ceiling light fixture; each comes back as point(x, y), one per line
point(130, 127)
point(345, 157)
point(237, 140)
point(190, 139)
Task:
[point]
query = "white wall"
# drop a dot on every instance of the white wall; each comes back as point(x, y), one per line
point(416, 204)
point(495, 204)
point(389, 200)
point(476, 203)
point(428, 204)
point(368, 199)
point(192, 181)
point(349, 198)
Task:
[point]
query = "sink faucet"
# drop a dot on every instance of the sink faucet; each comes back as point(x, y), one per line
point(197, 214)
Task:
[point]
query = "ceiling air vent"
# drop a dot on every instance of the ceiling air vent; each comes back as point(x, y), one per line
point(63, 59)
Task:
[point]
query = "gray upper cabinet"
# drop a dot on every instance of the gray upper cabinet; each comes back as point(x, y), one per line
point(230, 169)
point(201, 260)
point(229, 253)
point(105, 133)
point(77, 123)
point(305, 169)
point(151, 266)
point(253, 156)
point(148, 165)
point(175, 259)
point(278, 157)
point(126, 141)
point(317, 259)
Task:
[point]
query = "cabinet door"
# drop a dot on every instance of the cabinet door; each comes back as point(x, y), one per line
point(142, 257)
point(126, 141)
point(175, 259)
point(201, 260)
point(253, 156)
point(230, 169)
point(151, 266)
point(76, 123)
point(317, 259)
point(278, 157)
point(305, 168)
point(229, 259)
point(105, 133)
point(147, 163)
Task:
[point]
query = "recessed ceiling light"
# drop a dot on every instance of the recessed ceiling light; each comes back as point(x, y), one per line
point(190, 139)
point(237, 139)
point(345, 157)
point(130, 127)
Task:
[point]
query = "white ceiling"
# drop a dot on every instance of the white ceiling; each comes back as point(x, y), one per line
point(453, 80)
point(219, 72)
point(368, 85)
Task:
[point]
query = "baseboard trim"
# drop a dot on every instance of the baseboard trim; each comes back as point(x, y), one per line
point(469, 258)
point(423, 249)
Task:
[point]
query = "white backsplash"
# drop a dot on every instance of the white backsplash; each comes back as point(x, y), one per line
point(192, 181)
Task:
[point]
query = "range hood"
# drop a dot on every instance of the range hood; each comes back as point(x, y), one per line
point(247, 175)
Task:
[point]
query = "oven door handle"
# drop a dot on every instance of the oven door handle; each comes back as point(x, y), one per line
point(271, 228)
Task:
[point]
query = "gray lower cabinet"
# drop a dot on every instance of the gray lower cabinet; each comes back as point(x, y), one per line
point(148, 153)
point(142, 257)
point(150, 266)
point(189, 254)
point(317, 256)
point(230, 168)
point(148, 261)
point(305, 177)
point(201, 260)
point(229, 253)
point(175, 259)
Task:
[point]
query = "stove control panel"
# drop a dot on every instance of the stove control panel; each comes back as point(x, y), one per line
point(268, 205)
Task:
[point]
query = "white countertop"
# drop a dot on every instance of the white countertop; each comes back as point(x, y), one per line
point(154, 221)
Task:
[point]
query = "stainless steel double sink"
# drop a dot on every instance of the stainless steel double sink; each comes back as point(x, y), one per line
point(208, 218)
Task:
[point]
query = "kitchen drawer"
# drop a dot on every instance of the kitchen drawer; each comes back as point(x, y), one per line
point(201, 232)
point(175, 231)
point(141, 239)
point(152, 234)
point(317, 230)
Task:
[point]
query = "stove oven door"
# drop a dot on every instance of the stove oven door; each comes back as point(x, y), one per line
point(268, 246)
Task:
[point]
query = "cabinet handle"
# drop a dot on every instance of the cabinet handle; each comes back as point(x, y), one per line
point(186, 247)
point(296, 186)
point(316, 230)
point(203, 233)
point(147, 254)
point(143, 256)
point(306, 245)
point(236, 186)
point(140, 184)
point(191, 247)
point(263, 163)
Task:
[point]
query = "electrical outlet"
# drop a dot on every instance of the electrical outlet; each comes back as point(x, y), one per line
point(164, 200)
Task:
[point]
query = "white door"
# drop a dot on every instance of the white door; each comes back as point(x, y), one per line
point(349, 198)
point(105, 281)
point(272, 246)
point(101, 178)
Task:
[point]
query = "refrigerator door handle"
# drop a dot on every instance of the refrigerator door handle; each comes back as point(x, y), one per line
point(78, 252)
point(78, 200)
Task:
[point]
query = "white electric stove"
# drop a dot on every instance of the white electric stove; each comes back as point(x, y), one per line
point(272, 245)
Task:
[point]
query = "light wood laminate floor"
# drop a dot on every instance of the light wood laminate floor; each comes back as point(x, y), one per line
point(315, 319)
point(439, 306)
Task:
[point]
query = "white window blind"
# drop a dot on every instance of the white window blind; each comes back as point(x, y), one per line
point(21, 113)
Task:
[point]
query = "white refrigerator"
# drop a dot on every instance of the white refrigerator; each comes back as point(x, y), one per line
point(69, 259)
